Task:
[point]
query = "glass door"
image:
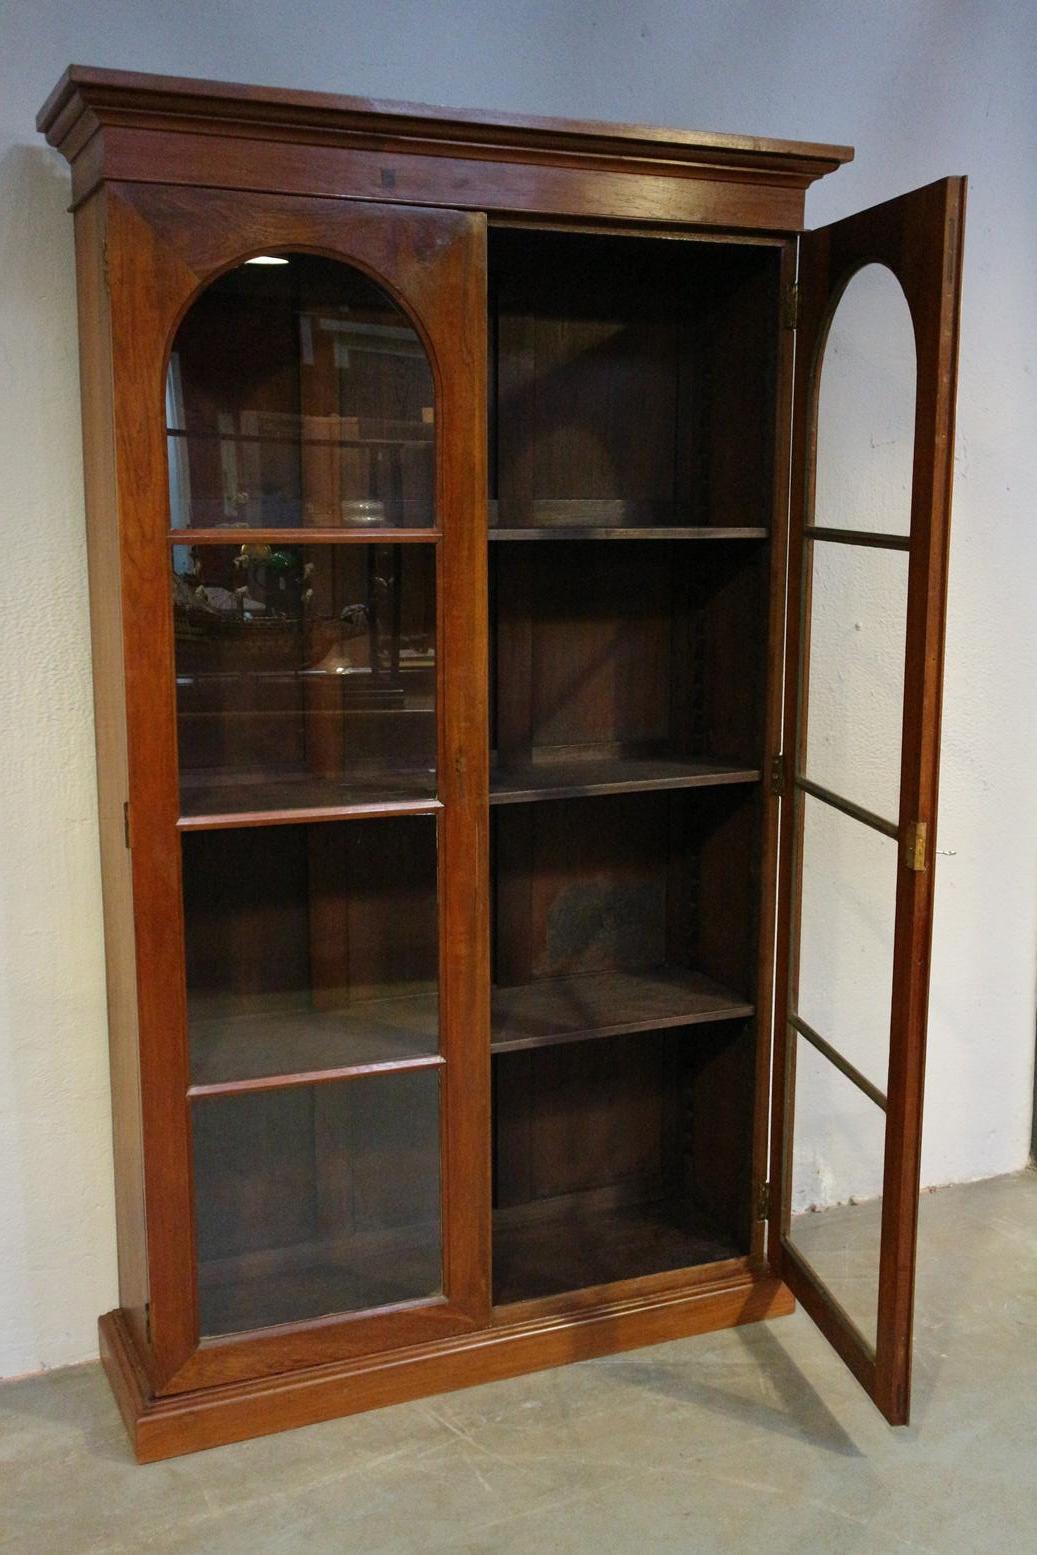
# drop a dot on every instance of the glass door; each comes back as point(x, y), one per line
point(327, 1065)
point(875, 367)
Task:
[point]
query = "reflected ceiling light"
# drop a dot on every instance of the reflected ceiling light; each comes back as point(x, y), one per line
point(266, 259)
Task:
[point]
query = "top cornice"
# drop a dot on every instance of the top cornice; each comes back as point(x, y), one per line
point(86, 99)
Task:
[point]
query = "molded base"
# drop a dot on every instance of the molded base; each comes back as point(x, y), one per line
point(166, 1427)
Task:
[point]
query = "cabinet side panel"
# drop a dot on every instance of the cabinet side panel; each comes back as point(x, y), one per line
point(95, 367)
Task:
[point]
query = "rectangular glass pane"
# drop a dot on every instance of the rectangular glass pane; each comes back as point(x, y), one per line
point(317, 1199)
point(310, 947)
point(305, 675)
point(837, 1165)
point(846, 936)
point(299, 395)
point(858, 626)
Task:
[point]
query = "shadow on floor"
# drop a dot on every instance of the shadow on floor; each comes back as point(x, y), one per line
point(800, 1413)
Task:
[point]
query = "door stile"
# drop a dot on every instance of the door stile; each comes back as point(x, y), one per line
point(463, 767)
point(142, 277)
point(935, 302)
point(772, 764)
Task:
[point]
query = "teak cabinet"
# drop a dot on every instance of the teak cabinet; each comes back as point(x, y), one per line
point(454, 508)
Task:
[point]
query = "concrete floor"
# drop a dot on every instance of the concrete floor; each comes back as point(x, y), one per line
point(753, 1440)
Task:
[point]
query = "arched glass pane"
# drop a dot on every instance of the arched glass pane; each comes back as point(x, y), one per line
point(298, 395)
point(866, 409)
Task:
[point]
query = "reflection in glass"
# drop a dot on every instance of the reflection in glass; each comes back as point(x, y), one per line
point(305, 674)
point(837, 1166)
point(846, 936)
point(858, 626)
point(866, 409)
point(299, 395)
point(317, 1199)
point(310, 947)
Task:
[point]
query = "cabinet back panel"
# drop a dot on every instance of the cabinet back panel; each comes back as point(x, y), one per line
point(627, 882)
point(319, 915)
point(601, 646)
point(599, 884)
point(592, 1116)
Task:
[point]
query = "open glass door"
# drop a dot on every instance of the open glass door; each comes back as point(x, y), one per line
point(872, 464)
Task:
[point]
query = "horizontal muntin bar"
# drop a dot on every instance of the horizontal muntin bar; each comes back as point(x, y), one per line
point(856, 812)
point(279, 1082)
point(375, 809)
point(881, 542)
point(302, 536)
point(836, 1058)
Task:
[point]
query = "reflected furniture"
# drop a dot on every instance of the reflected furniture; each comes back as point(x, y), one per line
point(452, 533)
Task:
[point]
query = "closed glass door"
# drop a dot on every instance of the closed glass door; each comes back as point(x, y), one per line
point(323, 1065)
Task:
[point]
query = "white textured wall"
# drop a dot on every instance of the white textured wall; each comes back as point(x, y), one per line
point(921, 89)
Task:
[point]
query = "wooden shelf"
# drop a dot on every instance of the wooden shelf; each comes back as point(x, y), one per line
point(209, 802)
point(547, 1249)
point(613, 775)
point(605, 1004)
point(269, 1049)
point(655, 532)
point(607, 519)
point(261, 1051)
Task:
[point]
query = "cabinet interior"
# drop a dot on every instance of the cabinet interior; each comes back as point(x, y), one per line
point(631, 441)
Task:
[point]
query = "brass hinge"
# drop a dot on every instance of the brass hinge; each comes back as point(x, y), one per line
point(778, 776)
point(763, 1201)
point(790, 306)
point(147, 1320)
point(915, 839)
point(126, 822)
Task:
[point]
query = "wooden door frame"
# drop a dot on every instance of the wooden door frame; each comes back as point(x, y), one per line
point(918, 237)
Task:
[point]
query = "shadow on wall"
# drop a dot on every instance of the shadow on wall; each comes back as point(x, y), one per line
point(56, 1218)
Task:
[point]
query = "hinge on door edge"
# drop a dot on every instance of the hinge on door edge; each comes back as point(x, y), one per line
point(915, 839)
point(126, 822)
point(763, 1201)
point(778, 776)
point(790, 306)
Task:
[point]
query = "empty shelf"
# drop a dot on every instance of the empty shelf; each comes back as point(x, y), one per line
point(630, 532)
point(545, 1250)
point(608, 519)
point(604, 1004)
point(616, 775)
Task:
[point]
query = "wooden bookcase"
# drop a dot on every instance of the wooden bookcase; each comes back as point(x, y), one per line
point(451, 520)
